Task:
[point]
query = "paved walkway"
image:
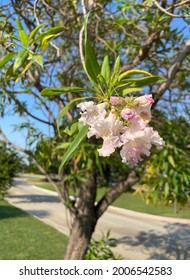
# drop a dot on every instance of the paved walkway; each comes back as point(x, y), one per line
point(139, 236)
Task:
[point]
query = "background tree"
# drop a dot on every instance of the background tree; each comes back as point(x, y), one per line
point(144, 36)
point(10, 165)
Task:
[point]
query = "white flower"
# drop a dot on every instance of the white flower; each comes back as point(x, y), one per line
point(137, 143)
point(91, 111)
point(109, 129)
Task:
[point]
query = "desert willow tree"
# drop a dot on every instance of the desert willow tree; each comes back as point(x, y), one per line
point(80, 75)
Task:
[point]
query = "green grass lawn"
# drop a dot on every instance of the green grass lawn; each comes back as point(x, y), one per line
point(23, 237)
point(131, 202)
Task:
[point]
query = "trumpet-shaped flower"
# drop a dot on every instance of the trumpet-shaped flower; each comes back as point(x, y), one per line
point(134, 137)
point(137, 143)
point(91, 112)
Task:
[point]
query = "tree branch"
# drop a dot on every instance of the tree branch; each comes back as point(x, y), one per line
point(25, 110)
point(168, 13)
point(114, 193)
point(41, 169)
point(172, 72)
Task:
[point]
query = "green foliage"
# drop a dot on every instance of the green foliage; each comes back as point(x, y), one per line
point(26, 44)
point(10, 165)
point(101, 249)
point(167, 172)
point(46, 156)
point(76, 142)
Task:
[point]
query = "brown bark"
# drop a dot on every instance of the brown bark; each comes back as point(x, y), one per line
point(84, 222)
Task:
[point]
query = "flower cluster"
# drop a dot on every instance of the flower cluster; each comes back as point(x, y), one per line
point(122, 123)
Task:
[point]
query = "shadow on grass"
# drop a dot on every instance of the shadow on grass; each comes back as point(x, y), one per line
point(33, 198)
point(7, 211)
point(173, 244)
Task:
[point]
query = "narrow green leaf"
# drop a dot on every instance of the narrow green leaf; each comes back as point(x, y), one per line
point(98, 163)
point(19, 24)
point(105, 70)
point(64, 145)
point(39, 60)
point(23, 37)
point(91, 64)
point(171, 161)
point(9, 73)
point(133, 72)
point(116, 71)
point(27, 66)
point(166, 189)
point(129, 90)
point(7, 58)
point(86, 27)
point(74, 145)
point(20, 59)
point(57, 91)
point(71, 128)
point(46, 40)
point(51, 31)
point(34, 32)
point(141, 81)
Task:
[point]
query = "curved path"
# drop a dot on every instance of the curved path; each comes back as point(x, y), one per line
point(139, 236)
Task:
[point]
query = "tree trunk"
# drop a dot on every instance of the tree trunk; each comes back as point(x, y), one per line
point(81, 233)
point(84, 222)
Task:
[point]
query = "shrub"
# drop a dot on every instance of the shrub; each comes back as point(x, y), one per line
point(10, 165)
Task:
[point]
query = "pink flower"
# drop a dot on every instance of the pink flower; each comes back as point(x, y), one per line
point(109, 146)
point(137, 143)
point(144, 100)
point(91, 112)
point(136, 138)
point(109, 129)
point(113, 99)
point(127, 114)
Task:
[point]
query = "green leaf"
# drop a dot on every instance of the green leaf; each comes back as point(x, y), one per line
point(54, 31)
point(98, 163)
point(74, 145)
point(9, 73)
point(144, 81)
point(57, 91)
point(133, 72)
point(71, 129)
point(39, 60)
point(19, 24)
point(129, 90)
point(116, 71)
point(34, 32)
point(23, 37)
point(166, 189)
point(148, 3)
point(7, 58)
point(64, 145)
point(86, 17)
point(91, 64)
point(66, 109)
point(105, 70)
point(27, 66)
point(20, 59)
point(171, 161)
point(46, 40)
